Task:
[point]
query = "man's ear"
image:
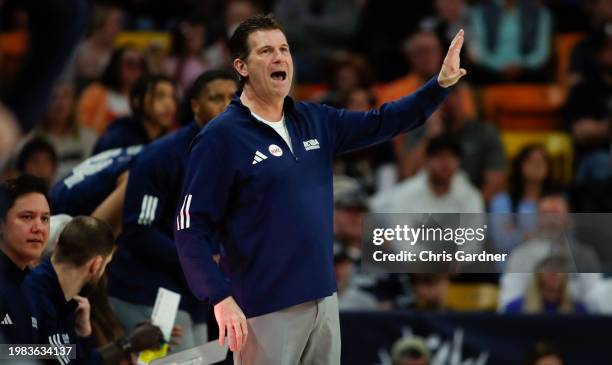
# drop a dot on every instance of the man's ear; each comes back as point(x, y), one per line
point(94, 265)
point(241, 67)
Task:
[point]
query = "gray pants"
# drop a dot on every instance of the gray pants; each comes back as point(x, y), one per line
point(131, 314)
point(307, 333)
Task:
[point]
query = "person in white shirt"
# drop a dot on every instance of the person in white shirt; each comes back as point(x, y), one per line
point(439, 188)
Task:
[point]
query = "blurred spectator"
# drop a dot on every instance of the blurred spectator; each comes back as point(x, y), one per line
point(154, 104)
point(350, 209)
point(588, 111)
point(185, 62)
point(374, 167)
point(553, 237)
point(378, 40)
point(9, 137)
point(348, 72)
point(350, 296)
point(37, 157)
point(547, 292)
point(316, 30)
point(451, 16)
point(24, 220)
point(362, 288)
point(423, 53)
point(439, 188)
point(102, 102)
point(410, 351)
point(72, 142)
point(430, 291)
point(483, 156)
point(511, 41)
point(57, 291)
point(544, 353)
point(514, 218)
point(54, 29)
point(236, 12)
point(93, 54)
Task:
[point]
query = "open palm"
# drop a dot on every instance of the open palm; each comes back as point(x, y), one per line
point(451, 70)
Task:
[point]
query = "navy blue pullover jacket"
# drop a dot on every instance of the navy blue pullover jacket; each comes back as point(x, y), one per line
point(272, 208)
point(147, 256)
point(17, 324)
point(121, 133)
point(89, 183)
point(56, 316)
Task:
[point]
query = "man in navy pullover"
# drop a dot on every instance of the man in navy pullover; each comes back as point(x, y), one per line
point(147, 258)
point(24, 219)
point(259, 180)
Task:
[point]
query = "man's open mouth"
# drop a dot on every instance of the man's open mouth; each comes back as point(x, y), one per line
point(279, 75)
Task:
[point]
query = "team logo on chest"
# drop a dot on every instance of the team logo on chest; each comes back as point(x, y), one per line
point(311, 144)
point(275, 150)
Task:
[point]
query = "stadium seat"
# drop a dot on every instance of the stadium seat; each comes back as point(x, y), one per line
point(564, 44)
point(531, 107)
point(309, 92)
point(143, 40)
point(558, 145)
point(472, 296)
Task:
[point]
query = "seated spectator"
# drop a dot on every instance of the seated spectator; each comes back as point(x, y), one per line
point(186, 60)
point(410, 351)
point(83, 250)
point(513, 219)
point(363, 289)
point(350, 209)
point(153, 102)
point(94, 53)
point(373, 167)
point(544, 353)
point(548, 291)
point(583, 62)
point(430, 291)
point(103, 101)
point(511, 41)
point(24, 223)
point(483, 156)
point(317, 30)
point(37, 157)
point(72, 142)
point(347, 72)
point(439, 188)
point(553, 236)
point(423, 53)
point(587, 113)
point(9, 137)
point(350, 296)
point(451, 16)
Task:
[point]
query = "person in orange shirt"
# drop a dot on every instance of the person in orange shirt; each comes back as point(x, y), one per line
point(423, 52)
point(108, 99)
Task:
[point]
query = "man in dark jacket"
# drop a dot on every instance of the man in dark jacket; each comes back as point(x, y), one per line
point(259, 180)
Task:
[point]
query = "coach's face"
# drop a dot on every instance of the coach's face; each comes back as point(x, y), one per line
point(269, 66)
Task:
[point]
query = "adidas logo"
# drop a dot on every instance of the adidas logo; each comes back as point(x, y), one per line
point(7, 320)
point(258, 157)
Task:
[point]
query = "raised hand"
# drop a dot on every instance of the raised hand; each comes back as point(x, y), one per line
point(451, 70)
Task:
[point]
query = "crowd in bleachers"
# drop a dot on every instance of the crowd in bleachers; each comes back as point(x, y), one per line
point(526, 133)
